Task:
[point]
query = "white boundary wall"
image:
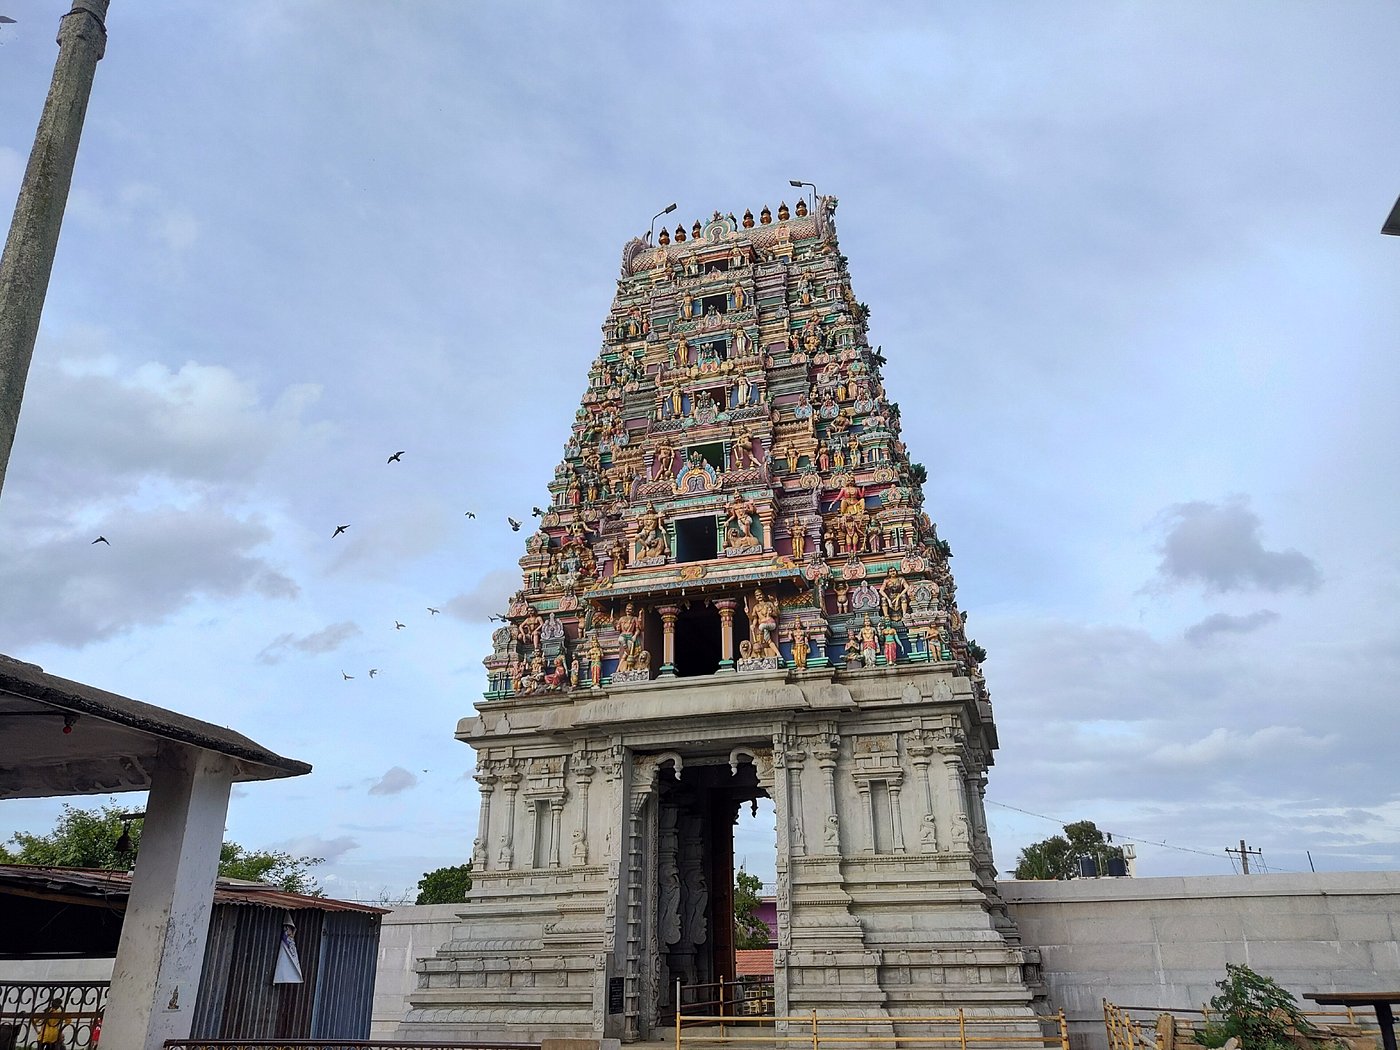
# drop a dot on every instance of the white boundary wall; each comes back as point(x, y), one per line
point(1138, 942)
point(1164, 942)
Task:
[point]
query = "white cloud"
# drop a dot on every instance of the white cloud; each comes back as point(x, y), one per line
point(393, 782)
point(326, 640)
point(1219, 546)
point(1223, 623)
point(328, 850)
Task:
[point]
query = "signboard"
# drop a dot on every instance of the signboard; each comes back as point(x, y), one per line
point(615, 994)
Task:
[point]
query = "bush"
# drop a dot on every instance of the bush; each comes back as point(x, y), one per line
point(1255, 1010)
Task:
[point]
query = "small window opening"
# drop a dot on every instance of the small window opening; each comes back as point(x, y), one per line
point(697, 539)
point(697, 640)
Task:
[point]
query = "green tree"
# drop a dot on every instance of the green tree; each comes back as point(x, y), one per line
point(1058, 856)
point(87, 838)
point(445, 885)
point(749, 930)
point(1255, 1010)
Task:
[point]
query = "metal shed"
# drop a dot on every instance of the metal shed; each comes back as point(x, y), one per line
point(337, 943)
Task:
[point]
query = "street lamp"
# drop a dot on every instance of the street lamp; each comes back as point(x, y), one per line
point(799, 184)
point(1392, 221)
point(664, 211)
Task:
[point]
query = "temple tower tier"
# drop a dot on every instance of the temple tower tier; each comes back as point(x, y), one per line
point(733, 594)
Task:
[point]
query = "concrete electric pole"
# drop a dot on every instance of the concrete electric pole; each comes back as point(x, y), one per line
point(33, 239)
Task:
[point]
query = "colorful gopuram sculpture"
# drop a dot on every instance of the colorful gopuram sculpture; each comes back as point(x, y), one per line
point(734, 594)
point(735, 434)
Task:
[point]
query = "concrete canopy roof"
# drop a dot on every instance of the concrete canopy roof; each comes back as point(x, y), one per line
point(114, 740)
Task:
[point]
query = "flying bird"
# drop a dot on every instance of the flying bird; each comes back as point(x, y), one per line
point(470, 514)
point(493, 617)
point(395, 457)
point(398, 626)
point(101, 539)
point(338, 530)
point(514, 525)
point(347, 677)
point(537, 512)
point(434, 611)
point(373, 671)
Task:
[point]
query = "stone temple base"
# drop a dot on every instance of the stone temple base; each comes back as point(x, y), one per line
point(604, 856)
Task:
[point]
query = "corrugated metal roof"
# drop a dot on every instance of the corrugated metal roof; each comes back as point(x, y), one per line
point(113, 887)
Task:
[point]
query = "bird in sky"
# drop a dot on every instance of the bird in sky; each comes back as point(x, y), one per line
point(101, 539)
point(398, 626)
point(537, 512)
point(373, 671)
point(347, 677)
point(514, 525)
point(493, 617)
point(338, 530)
point(470, 514)
point(397, 455)
point(434, 611)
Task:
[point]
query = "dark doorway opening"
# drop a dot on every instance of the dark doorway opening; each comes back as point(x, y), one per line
point(697, 539)
point(697, 640)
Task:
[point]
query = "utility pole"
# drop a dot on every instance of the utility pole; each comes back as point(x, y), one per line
point(1244, 853)
point(29, 250)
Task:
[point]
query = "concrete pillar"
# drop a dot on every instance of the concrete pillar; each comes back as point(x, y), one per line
point(510, 780)
point(668, 639)
point(726, 607)
point(481, 850)
point(155, 977)
point(556, 823)
point(33, 237)
point(896, 814)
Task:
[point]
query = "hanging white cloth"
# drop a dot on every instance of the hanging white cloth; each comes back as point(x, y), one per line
point(288, 968)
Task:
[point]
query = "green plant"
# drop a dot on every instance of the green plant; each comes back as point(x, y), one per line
point(1255, 1010)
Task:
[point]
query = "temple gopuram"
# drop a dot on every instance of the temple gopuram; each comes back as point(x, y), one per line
point(734, 593)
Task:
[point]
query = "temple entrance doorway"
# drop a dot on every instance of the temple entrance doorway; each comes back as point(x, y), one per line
point(697, 821)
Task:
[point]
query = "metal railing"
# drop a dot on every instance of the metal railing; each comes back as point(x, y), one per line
point(74, 1007)
point(1139, 1027)
point(750, 995)
point(334, 1044)
point(961, 1030)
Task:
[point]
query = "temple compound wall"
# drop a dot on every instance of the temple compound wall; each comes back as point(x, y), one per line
point(1152, 942)
point(733, 593)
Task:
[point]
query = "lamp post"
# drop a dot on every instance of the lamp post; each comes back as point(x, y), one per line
point(664, 211)
point(33, 238)
point(798, 183)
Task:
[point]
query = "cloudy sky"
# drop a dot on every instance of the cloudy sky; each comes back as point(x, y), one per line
point(1123, 259)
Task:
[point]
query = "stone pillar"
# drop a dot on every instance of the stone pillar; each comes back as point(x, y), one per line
point(668, 639)
point(481, 848)
point(156, 973)
point(33, 239)
point(510, 780)
point(920, 752)
point(955, 810)
point(726, 607)
point(831, 833)
point(765, 515)
point(583, 776)
point(867, 807)
point(556, 824)
point(896, 815)
point(795, 758)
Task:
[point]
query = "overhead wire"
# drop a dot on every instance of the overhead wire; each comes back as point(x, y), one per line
point(1125, 838)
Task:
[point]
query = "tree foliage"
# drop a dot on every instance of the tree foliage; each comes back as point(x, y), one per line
point(88, 838)
point(1255, 1010)
point(1058, 856)
point(445, 885)
point(749, 930)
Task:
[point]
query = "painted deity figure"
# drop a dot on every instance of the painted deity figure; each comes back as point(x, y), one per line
point(799, 539)
point(740, 301)
point(869, 642)
point(889, 634)
point(894, 595)
point(682, 352)
point(843, 597)
point(801, 647)
point(664, 461)
point(629, 629)
point(677, 401)
point(651, 535)
point(739, 522)
point(688, 306)
point(595, 662)
point(763, 623)
point(852, 650)
point(528, 632)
